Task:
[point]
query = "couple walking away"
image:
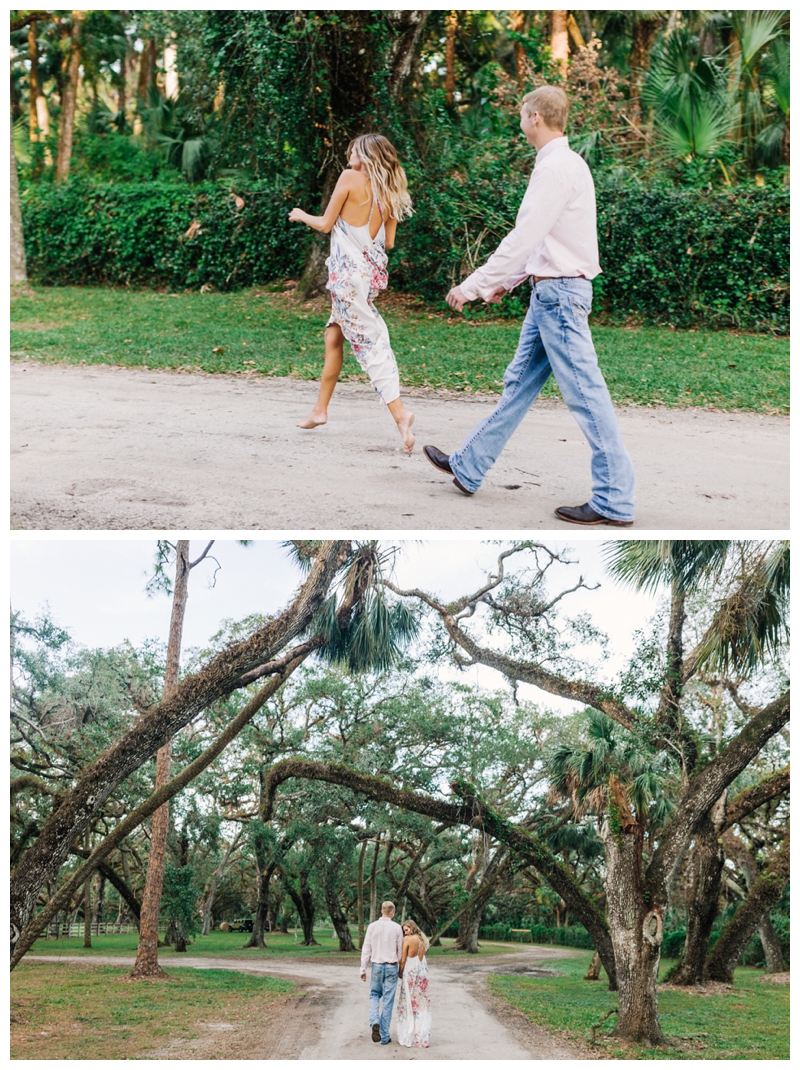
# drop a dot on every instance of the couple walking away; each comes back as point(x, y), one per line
point(397, 954)
point(554, 243)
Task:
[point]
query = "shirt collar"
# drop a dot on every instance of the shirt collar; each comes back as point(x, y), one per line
point(551, 146)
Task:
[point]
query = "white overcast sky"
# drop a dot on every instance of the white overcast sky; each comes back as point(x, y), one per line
point(95, 588)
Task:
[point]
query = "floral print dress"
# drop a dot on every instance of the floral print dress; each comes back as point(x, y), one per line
point(414, 1006)
point(356, 274)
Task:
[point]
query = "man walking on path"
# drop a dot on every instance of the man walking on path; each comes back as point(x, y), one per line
point(383, 946)
point(554, 241)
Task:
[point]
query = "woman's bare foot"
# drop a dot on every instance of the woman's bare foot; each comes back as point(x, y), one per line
point(404, 427)
point(314, 419)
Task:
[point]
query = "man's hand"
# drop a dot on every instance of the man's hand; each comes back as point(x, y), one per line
point(497, 294)
point(456, 299)
point(363, 977)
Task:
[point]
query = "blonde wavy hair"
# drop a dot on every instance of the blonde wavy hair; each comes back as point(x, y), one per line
point(415, 929)
point(386, 176)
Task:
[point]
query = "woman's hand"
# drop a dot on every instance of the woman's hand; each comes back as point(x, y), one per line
point(297, 215)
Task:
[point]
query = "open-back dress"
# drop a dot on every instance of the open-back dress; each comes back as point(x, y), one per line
point(356, 274)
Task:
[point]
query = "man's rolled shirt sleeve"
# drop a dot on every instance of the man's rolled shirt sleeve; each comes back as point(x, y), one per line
point(366, 951)
point(541, 206)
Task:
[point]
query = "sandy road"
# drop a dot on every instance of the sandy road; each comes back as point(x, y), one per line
point(116, 448)
point(329, 1020)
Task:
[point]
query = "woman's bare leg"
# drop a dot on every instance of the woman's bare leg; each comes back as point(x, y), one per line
point(404, 419)
point(334, 356)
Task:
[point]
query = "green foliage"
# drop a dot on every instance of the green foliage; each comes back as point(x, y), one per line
point(132, 234)
point(680, 257)
point(566, 936)
point(179, 900)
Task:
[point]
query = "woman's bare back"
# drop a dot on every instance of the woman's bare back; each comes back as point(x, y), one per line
point(357, 208)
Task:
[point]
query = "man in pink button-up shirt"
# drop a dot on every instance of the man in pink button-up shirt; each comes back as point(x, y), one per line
point(554, 242)
point(383, 947)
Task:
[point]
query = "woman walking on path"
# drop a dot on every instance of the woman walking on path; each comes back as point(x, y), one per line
point(369, 200)
point(414, 1004)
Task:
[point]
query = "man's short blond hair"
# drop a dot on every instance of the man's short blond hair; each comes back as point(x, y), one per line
point(551, 103)
point(387, 907)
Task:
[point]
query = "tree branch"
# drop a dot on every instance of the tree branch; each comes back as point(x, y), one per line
point(705, 788)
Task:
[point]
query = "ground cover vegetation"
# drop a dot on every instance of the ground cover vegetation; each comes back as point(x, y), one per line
point(65, 1011)
point(653, 819)
point(184, 138)
point(264, 332)
point(748, 1021)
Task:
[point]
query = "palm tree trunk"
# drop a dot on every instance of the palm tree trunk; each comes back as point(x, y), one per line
point(147, 954)
point(450, 29)
point(559, 40)
point(68, 105)
point(33, 81)
point(19, 268)
point(517, 19)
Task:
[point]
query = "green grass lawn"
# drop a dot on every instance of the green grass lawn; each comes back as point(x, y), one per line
point(69, 1011)
point(260, 332)
point(751, 1021)
point(229, 945)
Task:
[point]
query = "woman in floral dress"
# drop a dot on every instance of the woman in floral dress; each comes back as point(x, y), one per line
point(413, 1003)
point(369, 200)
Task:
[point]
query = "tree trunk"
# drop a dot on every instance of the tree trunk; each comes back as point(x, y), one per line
point(147, 954)
point(66, 127)
point(520, 59)
point(764, 894)
point(99, 906)
point(643, 34)
point(304, 904)
point(87, 913)
point(265, 872)
point(33, 81)
point(19, 269)
point(772, 946)
point(373, 881)
point(707, 860)
point(233, 668)
point(593, 973)
point(450, 30)
point(338, 919)
point(208, 904)
point(360, 893)
point(351, 57)
point(147, 66)
point(635, 923)
point(559, 40)
point(469, 923)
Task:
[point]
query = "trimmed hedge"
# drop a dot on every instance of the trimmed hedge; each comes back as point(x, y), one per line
point(685, 258)
point(567, 936)
point(130, 234)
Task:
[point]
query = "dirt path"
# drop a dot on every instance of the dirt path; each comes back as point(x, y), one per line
point(112, 448)
point(329, 1020)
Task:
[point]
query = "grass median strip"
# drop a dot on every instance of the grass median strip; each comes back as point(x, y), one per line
point(748, 1021)
point(86, 1011)
point(260, 332)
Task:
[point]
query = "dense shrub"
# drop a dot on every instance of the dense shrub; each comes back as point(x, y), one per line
point(159, 234)
point(680, 257)
point(566, 936)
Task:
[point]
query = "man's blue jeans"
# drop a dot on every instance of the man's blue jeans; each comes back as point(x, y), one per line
point(382, 983)
point(556, 338)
